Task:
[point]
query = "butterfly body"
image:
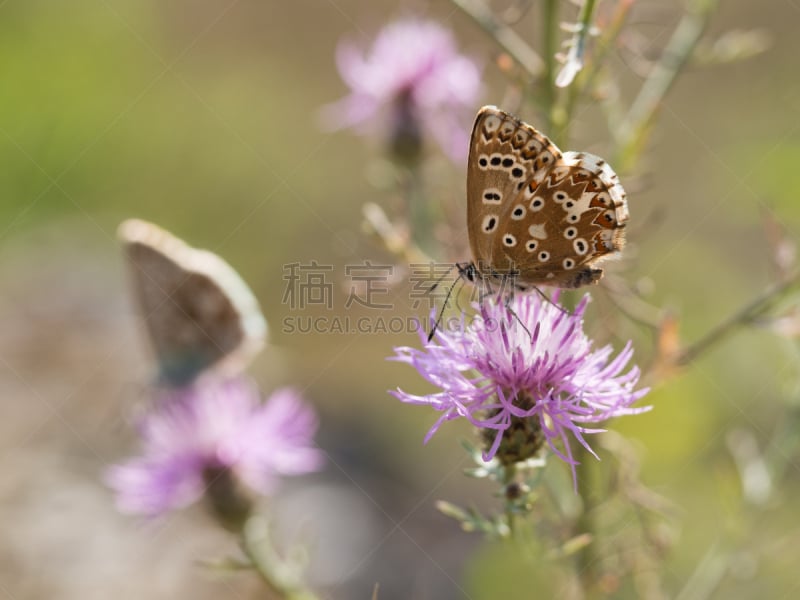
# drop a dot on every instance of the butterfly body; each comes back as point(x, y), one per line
point(537, 215)
point(199, 313)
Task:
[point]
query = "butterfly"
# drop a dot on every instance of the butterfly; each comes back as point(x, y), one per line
point(536, 215)
point(200, 315)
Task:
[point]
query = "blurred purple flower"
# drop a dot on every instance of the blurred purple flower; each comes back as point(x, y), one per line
point(507, 380)
point(413, 82)
point(221, 427)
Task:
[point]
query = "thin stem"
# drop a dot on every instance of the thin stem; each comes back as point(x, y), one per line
point(585, 80)
point(505, 37)
point(549, 49)
point(637, 123)
point(584, 23)
point(420, 210)
point(572, 67)
point(509, 474)
point(745, 315)
point(708, 575)
point(394, 240)
point(630, 303)
point(279, 576)
point(587, 561)
point(577, 49)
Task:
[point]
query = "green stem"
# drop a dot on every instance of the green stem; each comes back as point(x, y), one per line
point(745, 315)
point(509, 474)
point(578, 49)
point(592, 65)
point(586, 559)
point(505, 37)
point(421, 210)
point(550, 48)
point(585, 21)
point(637, 124)
point(279, 576)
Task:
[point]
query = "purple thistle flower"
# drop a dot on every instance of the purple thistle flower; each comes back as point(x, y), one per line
point(221, 428)
point(412, 82)
point(523, 387)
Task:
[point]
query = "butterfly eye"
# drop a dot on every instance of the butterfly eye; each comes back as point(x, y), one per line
point(483, 162)
point(489, 223)
point(568, 263)
point(518, 212)
point(531, 245)
point(561, 196)
point(516, 172)
point(508, 162)
point(573, 218)
point(544, 256)
point(570, 232)
point(496, 160)
point(509, 240)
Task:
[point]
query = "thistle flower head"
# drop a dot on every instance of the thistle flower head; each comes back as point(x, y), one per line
point(199, 436)
point(411, 82)
point(524, 373)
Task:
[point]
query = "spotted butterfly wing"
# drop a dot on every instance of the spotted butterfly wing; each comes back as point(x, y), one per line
point(199, 313)
point(535, 214)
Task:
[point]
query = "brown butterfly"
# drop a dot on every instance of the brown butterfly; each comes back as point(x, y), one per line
point(536, 215)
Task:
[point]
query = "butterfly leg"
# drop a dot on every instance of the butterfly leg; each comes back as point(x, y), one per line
point(508, 283)
point(516, 316)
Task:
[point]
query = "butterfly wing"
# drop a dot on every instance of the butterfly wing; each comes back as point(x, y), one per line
point(563, 226)
point(544, 216)
point(198, 311)
point(505, 156)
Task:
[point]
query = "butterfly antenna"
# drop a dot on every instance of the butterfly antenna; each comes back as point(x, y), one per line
point(446, 300)
point(441, 314)
point(442, 278)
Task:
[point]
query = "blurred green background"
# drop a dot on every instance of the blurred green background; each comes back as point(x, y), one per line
point(203, 117)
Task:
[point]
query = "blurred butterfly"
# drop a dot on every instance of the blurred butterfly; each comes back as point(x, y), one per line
point(200, 315)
